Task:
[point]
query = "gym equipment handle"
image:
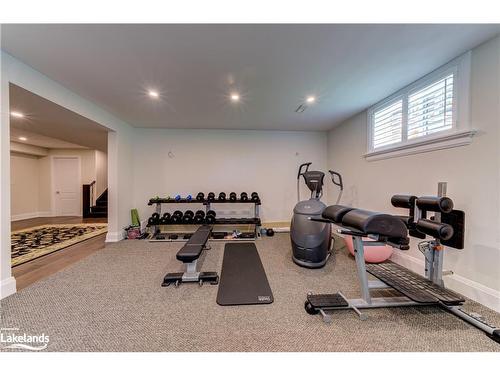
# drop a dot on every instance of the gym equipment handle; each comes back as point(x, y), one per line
point(306, 165)
point(435, 204)
point(403, 201)
point(438, 230)
point(339, 183)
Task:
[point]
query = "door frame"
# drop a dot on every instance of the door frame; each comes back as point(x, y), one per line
point(52, 181)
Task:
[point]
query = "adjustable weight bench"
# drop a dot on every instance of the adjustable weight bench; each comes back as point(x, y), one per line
point(446, 227)
point(189, 255)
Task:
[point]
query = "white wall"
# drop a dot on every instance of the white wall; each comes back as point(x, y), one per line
point(32, 194)
point(24, 185)
point(221, 160)
point(472, 173)
point(87, 167)
point(119, 151)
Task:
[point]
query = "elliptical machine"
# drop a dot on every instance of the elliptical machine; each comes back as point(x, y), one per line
point(312, 240)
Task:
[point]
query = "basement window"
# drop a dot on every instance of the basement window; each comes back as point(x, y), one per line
point(431, 113)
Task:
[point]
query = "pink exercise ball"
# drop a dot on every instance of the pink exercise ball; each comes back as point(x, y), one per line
point(373, 254)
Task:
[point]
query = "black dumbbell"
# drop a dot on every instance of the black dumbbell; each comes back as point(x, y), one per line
point(165, 219)
point(211, 196)
point(255, 197)
point(232, 196)
point(199, 217)
point(244, 197)
point(210, 218)
point(155, 219)
point(270, 232)
point(200, 197)
point(188, 216)
point(176, 217)
point(222, 197)
point(151, 221)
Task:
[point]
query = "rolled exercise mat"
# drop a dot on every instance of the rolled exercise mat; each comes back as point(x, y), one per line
point(243, 280)
point(135, 217)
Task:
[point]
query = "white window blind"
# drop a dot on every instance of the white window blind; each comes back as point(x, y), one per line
point(430, 109)
point(388, 124)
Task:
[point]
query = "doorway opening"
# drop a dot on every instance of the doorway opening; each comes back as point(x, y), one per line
point(59, 186)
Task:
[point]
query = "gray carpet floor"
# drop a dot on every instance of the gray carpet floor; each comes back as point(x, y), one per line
point(112, 301)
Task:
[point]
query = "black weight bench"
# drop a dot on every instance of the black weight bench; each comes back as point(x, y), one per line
point(189, 255)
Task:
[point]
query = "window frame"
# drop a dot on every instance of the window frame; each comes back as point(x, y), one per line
point(460, 132)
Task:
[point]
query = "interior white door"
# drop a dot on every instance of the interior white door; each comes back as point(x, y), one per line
point(66, 186)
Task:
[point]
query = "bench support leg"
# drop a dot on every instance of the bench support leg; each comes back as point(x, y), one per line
point(359, 255)
point(191, 275)
point(476, 320)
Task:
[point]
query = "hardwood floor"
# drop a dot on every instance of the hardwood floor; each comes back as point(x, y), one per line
point(37, 269)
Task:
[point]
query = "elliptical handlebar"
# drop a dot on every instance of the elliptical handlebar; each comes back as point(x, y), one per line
point(336, 180)
point(300, 169)
point(338, 183)
point(301, 173)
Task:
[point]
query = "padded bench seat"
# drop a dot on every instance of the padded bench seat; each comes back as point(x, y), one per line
point(195, 245)
point(390, 227)
point(336, 212)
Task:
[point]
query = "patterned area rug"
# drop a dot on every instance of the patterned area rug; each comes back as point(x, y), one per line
point(32, 243)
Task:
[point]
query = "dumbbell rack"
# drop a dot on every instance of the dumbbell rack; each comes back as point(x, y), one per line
point(255, 220)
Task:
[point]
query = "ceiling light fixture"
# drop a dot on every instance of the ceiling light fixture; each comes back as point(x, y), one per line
point(23, 138)
point(235, 97)
point(17, 114)
point(153, 94)
point(311, 99)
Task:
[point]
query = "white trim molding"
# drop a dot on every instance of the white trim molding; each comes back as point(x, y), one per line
point(115, 236)
point(7, 287)
point(31, 215)
point(471, 289)
point(441, 142)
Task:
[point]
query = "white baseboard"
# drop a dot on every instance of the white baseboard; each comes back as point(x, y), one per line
point(115, 236)
point(31, 215)
point(471, 289)
point(7, 287)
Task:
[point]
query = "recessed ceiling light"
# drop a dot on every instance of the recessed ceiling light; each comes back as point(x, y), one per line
point(23, 138)
point(17, 114)
point(235, 97)
point(154, 94)
point(311, 99)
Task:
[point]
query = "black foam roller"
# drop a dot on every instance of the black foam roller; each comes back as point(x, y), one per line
point(435, 204)
point(438, 230)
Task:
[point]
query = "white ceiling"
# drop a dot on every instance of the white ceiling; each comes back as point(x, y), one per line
point(39, 140)
point(49, 125)
point(349, 67)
